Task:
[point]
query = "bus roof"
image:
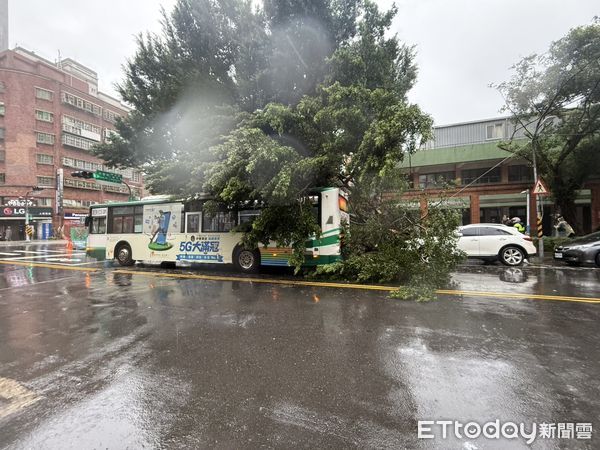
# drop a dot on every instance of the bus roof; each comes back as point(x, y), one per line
point(152, 201)
point(166, 199)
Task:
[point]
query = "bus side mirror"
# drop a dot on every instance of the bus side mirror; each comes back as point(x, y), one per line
point(88, 220)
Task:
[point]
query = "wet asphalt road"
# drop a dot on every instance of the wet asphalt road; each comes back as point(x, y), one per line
point(102, 359)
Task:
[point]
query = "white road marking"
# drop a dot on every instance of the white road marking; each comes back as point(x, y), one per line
point(9, 254)
point(63, 259)
point(16, 395)
point(53, 280)
point(30, 251)
point(43, 256)
point(44, 250)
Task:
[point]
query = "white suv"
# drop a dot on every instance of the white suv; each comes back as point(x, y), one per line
point(490, 241)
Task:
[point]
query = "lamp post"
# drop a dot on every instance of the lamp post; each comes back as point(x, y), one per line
point(33, 189)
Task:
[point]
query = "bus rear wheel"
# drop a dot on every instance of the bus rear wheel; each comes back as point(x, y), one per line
point(123, 255)
point(247, 261)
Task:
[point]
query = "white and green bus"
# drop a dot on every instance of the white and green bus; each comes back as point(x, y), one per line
point(162, 230)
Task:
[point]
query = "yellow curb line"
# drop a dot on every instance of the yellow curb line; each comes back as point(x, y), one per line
point(359, 286)
point(520, 296)
point(258, 280)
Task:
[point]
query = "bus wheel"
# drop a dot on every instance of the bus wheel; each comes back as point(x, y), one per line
point(123, 255)
point(247, 261)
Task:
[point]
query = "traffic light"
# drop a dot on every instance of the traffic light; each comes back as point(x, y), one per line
point(83, 174)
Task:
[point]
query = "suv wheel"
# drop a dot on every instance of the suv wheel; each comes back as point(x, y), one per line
point(512, 256)
point(598, 259)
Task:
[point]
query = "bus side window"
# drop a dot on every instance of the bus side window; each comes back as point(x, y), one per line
point(248, 215)
point(98, 225)
point(222, 221)
point(193, 223)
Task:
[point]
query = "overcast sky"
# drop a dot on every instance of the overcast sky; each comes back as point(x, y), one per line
point(462, 45)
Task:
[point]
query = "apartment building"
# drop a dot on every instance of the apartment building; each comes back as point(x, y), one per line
point(464, 165)
point(51, 115)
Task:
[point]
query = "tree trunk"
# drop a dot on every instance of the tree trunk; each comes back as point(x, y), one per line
point(568, 211)
point(563, 190)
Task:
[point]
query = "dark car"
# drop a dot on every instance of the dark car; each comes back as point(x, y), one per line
point(583, 250)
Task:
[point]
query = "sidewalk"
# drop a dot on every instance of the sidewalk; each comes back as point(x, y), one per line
point(34, 242)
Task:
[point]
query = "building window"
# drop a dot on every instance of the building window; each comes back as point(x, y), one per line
point(2, 109)
point(108, 133)
point(44, 138)
point(121, 190)
point(44, 116)
point(111, 116)
point(81, 164)
point(44, 201)
point(80, 103)
point(495, 131)
point(2, 155)
point(521, 173)
point(481, 176)
point(45, 181)
point(2, 87)
point(41, 158)
point(44, 94)
point(77, 203)
point(1, 134)
point(136, 176)
point(436, 179)
point(2, 178)
point(81, 128)
point(77, 142)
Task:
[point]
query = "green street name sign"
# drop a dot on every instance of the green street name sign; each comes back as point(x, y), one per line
point(110, 177)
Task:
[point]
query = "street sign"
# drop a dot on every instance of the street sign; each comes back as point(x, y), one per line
point(111, 177)
point(540, 188)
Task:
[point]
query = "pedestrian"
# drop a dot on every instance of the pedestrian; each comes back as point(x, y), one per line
point(506, 220)
point(563, 228)
point(8, 233)
point(518, 225)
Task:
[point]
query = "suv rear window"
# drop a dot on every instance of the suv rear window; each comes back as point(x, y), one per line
point(471, 231)
point(491, 231)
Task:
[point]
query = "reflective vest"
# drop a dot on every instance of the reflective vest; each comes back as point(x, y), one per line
point(519, 227)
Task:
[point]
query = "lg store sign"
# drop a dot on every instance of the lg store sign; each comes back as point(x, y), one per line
point(8, 211)
point(18, 211)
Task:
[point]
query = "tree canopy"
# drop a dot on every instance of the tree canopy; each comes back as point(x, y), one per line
point(319, 81)
point(554, 99)
point(264, 104)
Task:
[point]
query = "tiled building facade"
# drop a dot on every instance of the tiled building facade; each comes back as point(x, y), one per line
point(50, 117)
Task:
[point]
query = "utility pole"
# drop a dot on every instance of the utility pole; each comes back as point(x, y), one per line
point(33, 189)
point(538, 207)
